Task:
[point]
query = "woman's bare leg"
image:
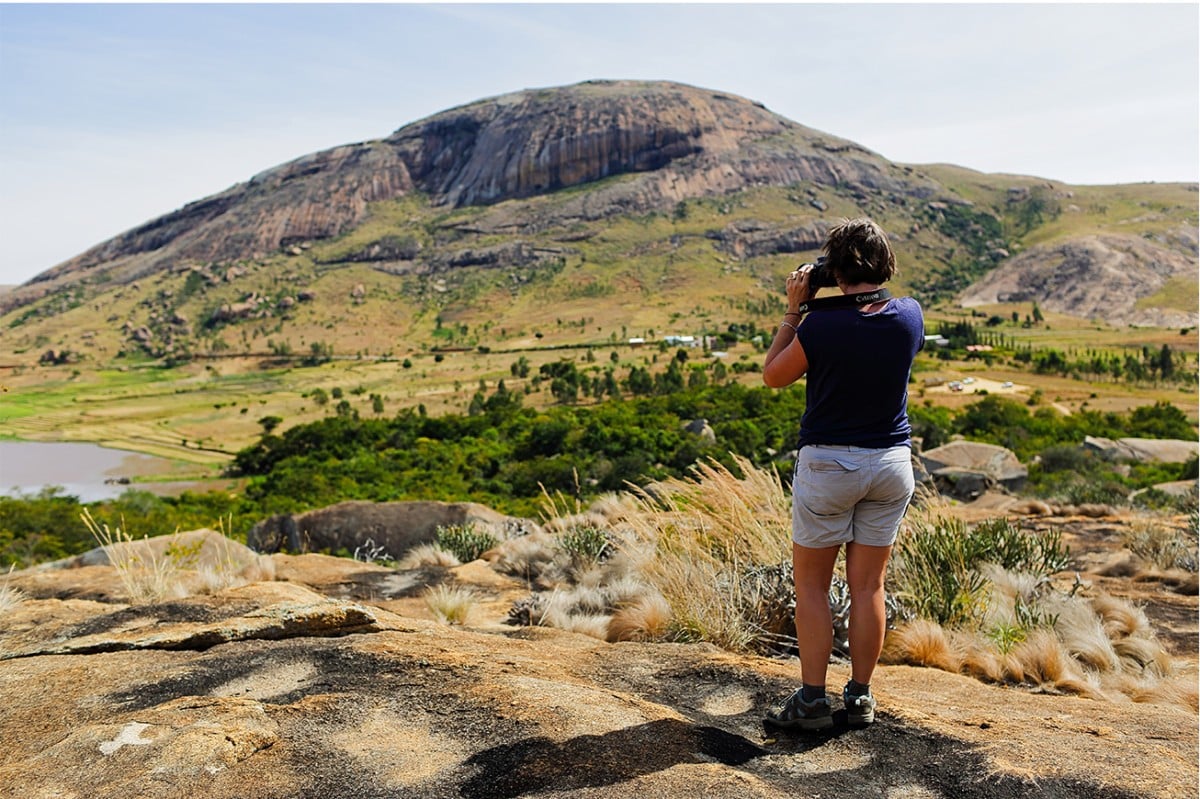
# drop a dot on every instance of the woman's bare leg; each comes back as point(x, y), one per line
point(865, 566)
point(812, 571)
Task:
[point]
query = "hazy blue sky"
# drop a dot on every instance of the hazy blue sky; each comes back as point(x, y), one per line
point(111, 115)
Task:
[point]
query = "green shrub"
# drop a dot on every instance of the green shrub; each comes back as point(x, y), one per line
point(585, 544)
point(935, 572)
point(466, 541)
point(999, 541)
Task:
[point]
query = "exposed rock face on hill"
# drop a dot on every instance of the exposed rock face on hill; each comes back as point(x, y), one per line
point(1094, 277)
point(680, 142)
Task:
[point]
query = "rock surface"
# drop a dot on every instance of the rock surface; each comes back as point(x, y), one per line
point(393, 527)
point(1143, 450)
point(672, 141)
point(997, 463)
point(1100, 277)
point(329, 683)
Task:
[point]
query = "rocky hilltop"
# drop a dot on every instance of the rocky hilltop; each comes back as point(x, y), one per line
point(680, 141)
point(326, 677)
point(1101, 276)
point(524, 183)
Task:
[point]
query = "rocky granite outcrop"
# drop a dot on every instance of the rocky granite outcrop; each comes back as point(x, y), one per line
point(1143, 450)
point(1102, 277)
point(967, 469)
point(393, 527)
point(673, 141)
point(278, 689)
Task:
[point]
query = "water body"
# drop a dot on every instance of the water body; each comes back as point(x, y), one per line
point(81, 470)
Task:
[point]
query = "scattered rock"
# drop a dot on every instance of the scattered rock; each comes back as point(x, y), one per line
point(995, 463)
point(394, 526)
point(701, 428)
point(1143, 450)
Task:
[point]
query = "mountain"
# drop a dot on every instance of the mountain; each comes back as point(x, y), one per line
point(679, 142)
point(587, 195)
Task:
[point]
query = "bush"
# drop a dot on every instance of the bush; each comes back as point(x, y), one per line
point(466, 541)
point(936, 569)
point(585, 544)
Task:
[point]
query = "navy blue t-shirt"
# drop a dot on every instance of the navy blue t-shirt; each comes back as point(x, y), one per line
point(858, 369)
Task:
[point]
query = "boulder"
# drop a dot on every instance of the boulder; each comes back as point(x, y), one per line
point(396, 527)
point(1175, 488)
point(962, 484)
point(1142, 450)
point(997, 463)
point(701, 428)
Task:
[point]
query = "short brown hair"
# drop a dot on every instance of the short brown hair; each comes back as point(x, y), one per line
point(858, 252)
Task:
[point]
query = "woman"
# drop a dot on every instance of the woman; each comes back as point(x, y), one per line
point(853, 478)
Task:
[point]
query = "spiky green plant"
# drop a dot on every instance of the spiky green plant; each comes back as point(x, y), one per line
point(466, 541)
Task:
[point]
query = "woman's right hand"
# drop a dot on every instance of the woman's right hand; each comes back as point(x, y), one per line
point(798, 289)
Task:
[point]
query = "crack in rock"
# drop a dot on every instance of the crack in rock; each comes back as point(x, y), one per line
point(278, 622)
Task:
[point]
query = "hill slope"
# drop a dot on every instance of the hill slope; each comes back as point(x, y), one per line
point(518, 219)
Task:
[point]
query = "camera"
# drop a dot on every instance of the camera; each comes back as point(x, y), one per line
point(821, 276)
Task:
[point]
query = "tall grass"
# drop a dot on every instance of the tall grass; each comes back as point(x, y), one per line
point(9, 597)
point(986, 606)
point(177, 565)
point(712, 555)
point(695, 539)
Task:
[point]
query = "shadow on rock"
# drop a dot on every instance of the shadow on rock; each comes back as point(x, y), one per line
point(587, 761)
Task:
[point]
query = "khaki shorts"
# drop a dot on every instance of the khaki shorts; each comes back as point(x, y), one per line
point(842, 494)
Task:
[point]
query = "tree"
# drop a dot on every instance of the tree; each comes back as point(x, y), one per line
point(269, 423)
point(1166, 364)
point(639, 381)
point(319, 353)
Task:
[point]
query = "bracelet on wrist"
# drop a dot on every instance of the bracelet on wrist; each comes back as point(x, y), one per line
point(787, 324)
point(793, 313)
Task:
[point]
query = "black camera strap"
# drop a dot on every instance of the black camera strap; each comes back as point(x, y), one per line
point(845, 301)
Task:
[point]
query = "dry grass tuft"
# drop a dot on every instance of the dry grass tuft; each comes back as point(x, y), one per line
point(1082, 632)
point(983, 662)
point(922, 643)
point(1160, 545)
point(9, 597)
point(1179, 691)
point(427, 555)
point(1076, 654)
point(177, 565)
point(647, 618)
point(594, 625)
point(1119, 617)
point(1043, 659)
point(450, 604)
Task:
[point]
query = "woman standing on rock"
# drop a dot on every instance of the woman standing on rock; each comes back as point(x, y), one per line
point(853, 478)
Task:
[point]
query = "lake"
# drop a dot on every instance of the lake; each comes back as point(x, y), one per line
point(26, 467)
